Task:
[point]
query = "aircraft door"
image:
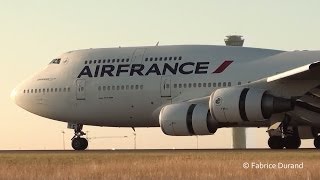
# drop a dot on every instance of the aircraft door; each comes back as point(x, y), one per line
point(81, 91)
point(138, 55)
point(165, 87)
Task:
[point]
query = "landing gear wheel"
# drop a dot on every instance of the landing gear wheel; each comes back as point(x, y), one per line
point(79, 144)
point(316, 142)
point(292, 142)
point(276, 142)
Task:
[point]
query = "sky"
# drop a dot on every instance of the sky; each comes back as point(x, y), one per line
point(34, 32)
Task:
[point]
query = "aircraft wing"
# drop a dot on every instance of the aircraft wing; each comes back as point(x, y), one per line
point(306, 72)
point(304, 83)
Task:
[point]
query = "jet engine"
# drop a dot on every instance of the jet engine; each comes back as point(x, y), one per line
point(237, 104)
point(185, 119)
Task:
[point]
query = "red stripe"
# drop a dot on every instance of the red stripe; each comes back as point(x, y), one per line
point(222, 67)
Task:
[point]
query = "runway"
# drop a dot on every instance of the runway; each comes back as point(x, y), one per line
point(158, 150)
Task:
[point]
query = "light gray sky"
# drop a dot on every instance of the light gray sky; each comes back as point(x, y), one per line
point(34, 32)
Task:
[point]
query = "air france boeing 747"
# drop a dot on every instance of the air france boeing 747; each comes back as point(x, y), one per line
point(184, 89)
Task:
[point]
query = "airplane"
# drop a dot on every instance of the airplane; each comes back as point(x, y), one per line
point(184, 89)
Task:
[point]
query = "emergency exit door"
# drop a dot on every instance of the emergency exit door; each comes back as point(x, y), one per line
point(165, 86)
point(81, 89)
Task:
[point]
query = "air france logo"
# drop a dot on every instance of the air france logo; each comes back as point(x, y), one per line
point(142, 70)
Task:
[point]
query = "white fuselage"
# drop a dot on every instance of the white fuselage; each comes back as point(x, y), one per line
point(127, 87)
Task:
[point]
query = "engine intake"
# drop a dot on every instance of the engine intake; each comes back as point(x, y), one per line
point(245, 104)
point(187, 119)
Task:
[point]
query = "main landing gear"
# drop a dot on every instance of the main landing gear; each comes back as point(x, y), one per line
point(284, 136)
point(316, 142)
point(79, 143)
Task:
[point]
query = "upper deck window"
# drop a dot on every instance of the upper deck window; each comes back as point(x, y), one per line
point(55, 61)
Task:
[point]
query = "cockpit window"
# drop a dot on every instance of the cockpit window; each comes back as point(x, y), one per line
point(55, 61)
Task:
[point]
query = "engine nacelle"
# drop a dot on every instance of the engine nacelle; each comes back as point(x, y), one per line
point(185, 119)
point(237, 104)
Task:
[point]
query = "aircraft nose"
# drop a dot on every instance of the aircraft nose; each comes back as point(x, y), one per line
point(13, 95)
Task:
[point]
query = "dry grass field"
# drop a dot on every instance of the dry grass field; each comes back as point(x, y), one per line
point(157, 164)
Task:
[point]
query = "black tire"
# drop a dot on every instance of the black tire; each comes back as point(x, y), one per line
point(316, 142)
point(79, 144)
point(84, 143)
point(292, 142)
point(276, 142)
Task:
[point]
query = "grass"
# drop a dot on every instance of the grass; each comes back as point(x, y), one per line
point(171, 164)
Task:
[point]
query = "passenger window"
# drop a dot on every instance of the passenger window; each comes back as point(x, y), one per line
point(146, 59)
point(175, 86)
point(170, 58)
point(180, 85)
point(180, 58)
point(165, 58)
point(95, 61)
point(214, 85)
point(224, 84)
point(99, 88)
point(127, 59)
point(109, 60)
point(141, 86)
point(108, 88)
point(239, 83)
point(175, 58)
point(99, 61)
point(194, 85)
point(69, 89)
point(64, 89)
point(204, 85)
point(31, 90)
point(39, 90)
point(60, 90)
point(167, 86)
point(209, 84)
point(132, 87)
point(113, 60)
point(155, 59)
point(151, 59)
point(24, 91)
point(28, 91)
point(104, 61)
point(229, 83)
point(160, 59)
point(190, 85)
point(122, 60)
point(113, 88)
point(85, 62)
point(127, 87)
point(185, 85)
point(137, 86)
point(122, 87)
point(104, 88)
point(219, 84)
point(118, 60)
point(90, 62)
point(118, 87)
point(35, 91)
point(199, 84)
point(56, 90)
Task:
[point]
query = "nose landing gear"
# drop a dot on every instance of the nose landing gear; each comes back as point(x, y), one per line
point(79, 143)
